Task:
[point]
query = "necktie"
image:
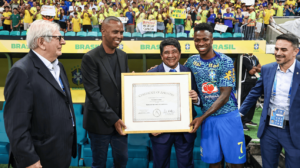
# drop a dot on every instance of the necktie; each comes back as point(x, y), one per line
point(172, 70)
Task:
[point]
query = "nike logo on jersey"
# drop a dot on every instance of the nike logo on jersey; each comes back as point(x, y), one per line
point(240, 157)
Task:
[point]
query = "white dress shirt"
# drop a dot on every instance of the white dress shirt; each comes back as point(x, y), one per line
point(53, 67)
point(167, 69)
point(284, 81)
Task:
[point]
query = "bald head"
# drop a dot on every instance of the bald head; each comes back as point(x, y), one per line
point(112, 33)
point(108, 20)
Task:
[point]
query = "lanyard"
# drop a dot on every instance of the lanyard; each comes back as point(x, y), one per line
point(275, 84)
point(62, 85)
point(253, 60)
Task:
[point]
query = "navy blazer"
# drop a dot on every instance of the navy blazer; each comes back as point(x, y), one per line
point(264, 86)
point(163, 138)
point(37, 115)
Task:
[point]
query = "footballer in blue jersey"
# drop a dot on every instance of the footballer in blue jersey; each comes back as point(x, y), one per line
point(222, 132)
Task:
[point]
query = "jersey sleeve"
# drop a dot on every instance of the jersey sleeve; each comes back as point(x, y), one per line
point(188, 63)
point(227, 77)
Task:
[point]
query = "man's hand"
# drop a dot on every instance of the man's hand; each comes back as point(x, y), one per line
point(252, 71)
point(155, 134)
point(196, 124)
point(193, 94)
point(152, 68)
point(119, 125)
point(36, 165)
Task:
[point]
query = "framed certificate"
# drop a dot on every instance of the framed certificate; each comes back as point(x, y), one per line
point(156, 102)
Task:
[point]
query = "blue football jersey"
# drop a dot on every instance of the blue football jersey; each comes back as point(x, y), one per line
point(210, 75)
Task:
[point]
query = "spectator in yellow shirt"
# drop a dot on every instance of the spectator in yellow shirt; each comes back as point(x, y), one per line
point(268, 16)
point(169, 26)
point(290, 2)
point(198, 21)
point(140, 17)
point(135, 7)
point(76, 26)
point(6, 17)
point(203, 14)
point(113, 12)
point(101, 17)
point(38, 15)
point(160, 21)
point(57, 13)
point(86, 20)
point(188, 24)
point(27, 17)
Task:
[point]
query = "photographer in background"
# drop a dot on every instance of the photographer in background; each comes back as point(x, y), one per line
point(251, 68)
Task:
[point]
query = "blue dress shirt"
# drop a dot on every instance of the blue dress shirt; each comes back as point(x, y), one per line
point(284, 80)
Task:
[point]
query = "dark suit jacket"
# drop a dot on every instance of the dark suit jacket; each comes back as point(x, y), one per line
point(264, 86)
point(163, 138)
point(103, 95)
point(37, 115)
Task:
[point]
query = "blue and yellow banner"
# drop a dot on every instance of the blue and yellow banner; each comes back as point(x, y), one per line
point(144, 47)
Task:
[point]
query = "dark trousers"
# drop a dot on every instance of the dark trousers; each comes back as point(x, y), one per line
point(246, 88)
point(229, 29)
point(271, 144)
point(6, 27)
point(99, 146)
point(184, 152)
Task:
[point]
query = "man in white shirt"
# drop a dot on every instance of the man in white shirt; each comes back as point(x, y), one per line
point(39, 115)
point(162, 143)
point(279, 123)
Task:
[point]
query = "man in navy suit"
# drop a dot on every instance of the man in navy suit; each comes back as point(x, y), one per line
point(279, 82)
point(184, 142)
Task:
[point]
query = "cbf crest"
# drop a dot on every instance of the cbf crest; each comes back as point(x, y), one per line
point(76, 75)
point(212, 75)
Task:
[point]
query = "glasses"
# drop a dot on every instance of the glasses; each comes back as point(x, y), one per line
point(58, 37)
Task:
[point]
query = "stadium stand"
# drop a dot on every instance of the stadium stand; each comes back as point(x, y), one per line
point(4, 142)
point(127, 34)
point(148, 35)
point(81, 34)
point(70, 34)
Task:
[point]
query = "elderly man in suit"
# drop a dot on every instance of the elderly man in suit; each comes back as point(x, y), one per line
point(39, 116)
point(279, 123)
point(170, 52)
point(101, 72)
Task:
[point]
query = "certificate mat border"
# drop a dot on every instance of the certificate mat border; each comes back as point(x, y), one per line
point(149, 74)
point(178, 99)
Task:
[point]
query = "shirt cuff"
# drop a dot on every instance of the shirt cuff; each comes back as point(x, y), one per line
point(198, 102)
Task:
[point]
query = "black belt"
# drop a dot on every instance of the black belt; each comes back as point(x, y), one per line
point(287, 122)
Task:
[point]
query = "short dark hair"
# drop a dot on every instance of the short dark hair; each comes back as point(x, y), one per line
point(6, 7)
point(169, 41)
point(290, 38)
point(109, 18)
point(203, 26)
point(75, 13)
point(15, 9)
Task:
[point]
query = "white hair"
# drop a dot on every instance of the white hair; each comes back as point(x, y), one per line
point(40, 28)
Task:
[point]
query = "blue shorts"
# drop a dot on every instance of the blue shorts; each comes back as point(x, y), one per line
point(223, 135)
